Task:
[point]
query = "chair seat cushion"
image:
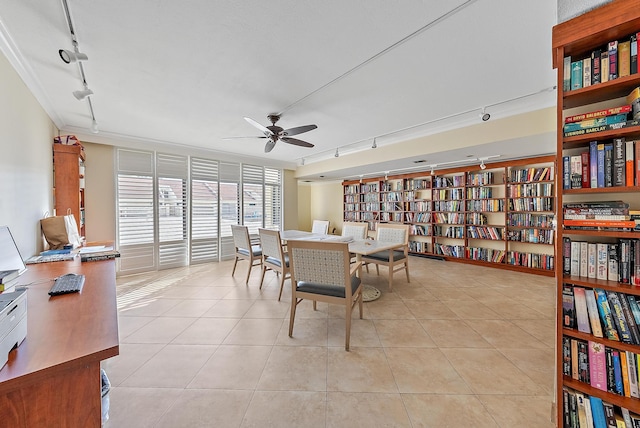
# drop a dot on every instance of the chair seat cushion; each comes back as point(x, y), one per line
point(328, 290)
point(384, 256)
point(277, 262)
point(256, 249)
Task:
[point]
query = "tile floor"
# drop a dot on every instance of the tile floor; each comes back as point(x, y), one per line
point(459, 346)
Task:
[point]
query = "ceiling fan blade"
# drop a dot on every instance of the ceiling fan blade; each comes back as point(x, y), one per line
point(269, 146)
point(298, 130)
point(266, 131)
point(235, 138)
point(296, 142)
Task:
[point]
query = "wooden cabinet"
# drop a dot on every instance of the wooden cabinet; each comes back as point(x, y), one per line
point(581, 368)
point(68, 176)
point(500, 216)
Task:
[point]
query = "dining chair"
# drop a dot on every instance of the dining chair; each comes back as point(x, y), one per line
point(396, 259)
point(274, 257)
point(320, 226)
point(355, 230)
point(321, 272)
point(244, 249)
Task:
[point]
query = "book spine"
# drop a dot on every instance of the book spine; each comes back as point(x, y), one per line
point(566, 172)
point(617, 371)
point(619, 178)
point(584, 259)
point(601, 261)
point(624, 58)
point(628, 316)
point(604, 66)
point(598, 113)
point(592, 256)
point(608, 165)
point(598, 121)
point(597, 366)
point(618, 317)
point(624, 264)
point(594, 317)
point(602, 128)
point(633, 52)
point(629, 163)
point(632, 361)
point(605, 315)
point(636, 170)
point(624, 373)
point(613, 60)
point(576, 75)
point(593, 159)
point(582, 314)
point(595, 66)
point(584, 161)
point(575, 258)
point(635, 308)
point(612, 273)
point(576, 171)
point(566, 255)
point(586, 72)
point(583, 362)
point(566, 82)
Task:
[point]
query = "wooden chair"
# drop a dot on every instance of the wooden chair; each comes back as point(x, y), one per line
point(397, 233)
point(355, 230)
point(273, 256)
point(320, 226)
point(320, 271)
point(244, 249)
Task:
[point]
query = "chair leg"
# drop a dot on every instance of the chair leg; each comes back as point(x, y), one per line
point(292, 315)
point(264, 270)
point(406, 268)
point(360, 303)
point(281, 285)
point(390, 278)
point(235, 263)
point(246, 282)
point(377, 269)
point(347, 332)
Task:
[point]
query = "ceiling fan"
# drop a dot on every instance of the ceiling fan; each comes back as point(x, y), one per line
point(276, 133)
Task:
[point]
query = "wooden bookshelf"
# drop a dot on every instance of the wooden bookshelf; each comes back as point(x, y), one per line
point(578, 38)
point(501, 216)
point(68, 175)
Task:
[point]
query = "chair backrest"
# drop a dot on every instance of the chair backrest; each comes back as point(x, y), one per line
point(320, 226)
point(355, 230)
point(320, 262)
point(397, 233)
point(271, 243)
point(241, 236)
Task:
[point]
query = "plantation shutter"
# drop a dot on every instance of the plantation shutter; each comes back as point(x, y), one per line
point(204, 210)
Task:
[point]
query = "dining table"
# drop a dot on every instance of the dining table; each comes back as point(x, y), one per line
point(359, 247)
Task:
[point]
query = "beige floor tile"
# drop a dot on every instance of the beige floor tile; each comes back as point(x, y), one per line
point(538, 364)
point(176, 291)
point(305, 310)
point(402, 333)
point(206, 331)
point(254, 332)
point(128, 325)
point(487, 371)
point(286, 409)
point(543, 330)
point(212, 293)
point(232, 367)
point(513, 310)
point(430, 310)
point(424, 371)
point(149, 307)
point(505, 334)
point(452, 293)
point(139, 407)
point(160, 330)
point(363, 333)
point(268, 309)
point(414, 291)
point(453, 334)
point(206, 408)
point(306, 332)
point(174, 366)
point(518, 411)
point(357, 409)
point(229, 309)
point(471, 310)
point(295, 368)
point(359, 370)
point(385, 310)
point(440, 411)
point(130, 359)
point(190, 308)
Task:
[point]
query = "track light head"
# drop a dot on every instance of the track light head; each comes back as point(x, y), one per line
point(94, 126)
point(374, 145)
point(71, 56)
point(484, 115)
point(432, 171)
point(337, 153)
point(482, 165)
point(81, 95)
point(302, 162)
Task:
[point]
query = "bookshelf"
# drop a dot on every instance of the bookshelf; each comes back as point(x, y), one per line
point(500, 216)
point(68, 176)
point(594, 259)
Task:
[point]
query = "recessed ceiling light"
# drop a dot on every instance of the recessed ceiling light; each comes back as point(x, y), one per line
point(420, 161)
point(322, 176)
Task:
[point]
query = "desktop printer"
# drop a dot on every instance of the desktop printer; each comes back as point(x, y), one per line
point(13, 322)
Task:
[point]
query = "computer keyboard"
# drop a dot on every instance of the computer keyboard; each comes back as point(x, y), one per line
point(69, 283)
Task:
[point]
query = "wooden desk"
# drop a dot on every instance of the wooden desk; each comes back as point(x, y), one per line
point(53, 378)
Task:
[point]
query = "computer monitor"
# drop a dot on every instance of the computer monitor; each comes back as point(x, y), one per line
point(10, 258)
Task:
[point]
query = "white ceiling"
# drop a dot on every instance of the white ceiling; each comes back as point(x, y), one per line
point(187, 72)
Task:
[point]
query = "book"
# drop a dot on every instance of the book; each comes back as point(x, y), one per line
point(635, 307)
point(629, 163)
point(636, 170)
point(600, 162)
point(602, 128)
point(619, 319)
point(619, 163)
point(606, 316)
point(566, 407)
point(624, 372)
point(566, 81)
point(604, 66)
point(612, 272)
point(576, 171)
point(568, 309)
point(97, 256)
point(608, 165)
point(583, 362)
point(593, 159)
point(576, 75)
point(575, 258)
point(633, 99)
point(584, 259)
point(634, 331)
point(566, 255)
point(633, 54)
point(624, 58)
point(597, 366)
point(632, 363)
point(602, 254)
point(582, 314)
point(609, 414)
point(596, 121)
point(630, 224)
point(566, 172)
point(595, 66)
point(617, 371)
point(592, 309)
point(635, 274)
point(597, 409)
point(626, 417)
point(575, 368)
point(587, 408)
point(566, 356)
point(592, 255)
point(586, 72)
point(582, 413)
point(623, 109)
point(613, 59)
point(585, 169)
point(624, 263)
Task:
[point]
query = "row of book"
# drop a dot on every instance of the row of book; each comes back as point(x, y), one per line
point(607, 369)
point(485, 232)
point(619, 58)
point(602, 313)
point(533, 236)
point(530, 189)
point(531, 174)
point(581, 410)
point(618, 261)
point(605, 164)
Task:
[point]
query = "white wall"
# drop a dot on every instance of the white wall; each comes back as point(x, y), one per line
point(100, 199)
point(26, 161)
